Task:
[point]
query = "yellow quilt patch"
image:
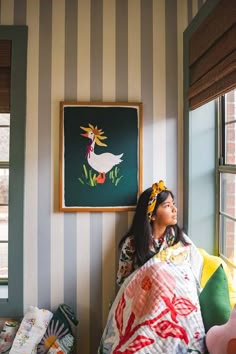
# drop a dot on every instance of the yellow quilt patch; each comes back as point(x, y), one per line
point(210, 264)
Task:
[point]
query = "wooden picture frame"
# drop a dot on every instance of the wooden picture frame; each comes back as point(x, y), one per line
point(100, 155)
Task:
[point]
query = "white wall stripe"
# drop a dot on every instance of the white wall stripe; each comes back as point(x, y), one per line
point(121, 225)
point(83, 90)
point(83, 220)
point(194, 7)
point(83, 281)
point(182, 22)
point(71, 35)
point(96, 218)
point(159, 91)
point(134, 58)
point(108, 221)
point(147, 81)
point(96, 49)
point(130, 218)
point(70, 260)
point(7, 12)
point(108, 264)
point(57, 93)
point(70, 90)
point(109, 58)
point(31, 159)
point(121, 50)
point(171, 91)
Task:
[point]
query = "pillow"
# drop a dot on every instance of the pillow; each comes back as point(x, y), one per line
point(222, 339)
point(214, 300)
point(211, 263)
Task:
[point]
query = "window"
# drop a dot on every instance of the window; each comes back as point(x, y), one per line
point(5, 89)
point(209, 93)
point(227, 179)
point(4, 183)
point(12, 147)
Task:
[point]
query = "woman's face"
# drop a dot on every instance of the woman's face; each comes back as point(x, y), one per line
point(166, 213)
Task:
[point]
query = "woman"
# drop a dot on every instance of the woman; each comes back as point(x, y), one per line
point(157, 308)
point(154, 228)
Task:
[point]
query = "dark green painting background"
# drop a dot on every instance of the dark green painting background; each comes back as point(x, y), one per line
point(120, 125)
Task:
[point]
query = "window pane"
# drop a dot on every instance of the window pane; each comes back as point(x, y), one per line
point(3, 223)
point(4, 143)
point(4, 181)
point(228, 239)
point(228, 194)
point(230, 128)
point(5, 119)
point(3, 260)
point(230, 106)
point(230, 143)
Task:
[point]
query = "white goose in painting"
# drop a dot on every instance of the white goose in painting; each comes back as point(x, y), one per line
point(101, 163)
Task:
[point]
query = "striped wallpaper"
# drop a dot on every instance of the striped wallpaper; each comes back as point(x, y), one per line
point(124, 50)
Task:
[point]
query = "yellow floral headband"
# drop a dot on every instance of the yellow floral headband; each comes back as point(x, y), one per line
point(157, 188)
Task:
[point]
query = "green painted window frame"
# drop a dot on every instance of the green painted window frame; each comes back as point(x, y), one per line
point(192, 212)
point(13, 305)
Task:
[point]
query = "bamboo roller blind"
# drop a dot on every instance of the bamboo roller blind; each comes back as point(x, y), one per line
point(5, 75)
point(212, 55)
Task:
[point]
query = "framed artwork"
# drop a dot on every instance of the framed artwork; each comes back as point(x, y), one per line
point(100, 156)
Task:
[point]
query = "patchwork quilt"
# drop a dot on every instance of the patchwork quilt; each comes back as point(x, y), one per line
point(157, 309)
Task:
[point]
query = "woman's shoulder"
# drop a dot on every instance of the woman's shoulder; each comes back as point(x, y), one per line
point(128, 242)
point(187, 239)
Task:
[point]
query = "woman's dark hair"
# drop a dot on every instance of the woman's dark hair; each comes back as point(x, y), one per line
point(141, 228)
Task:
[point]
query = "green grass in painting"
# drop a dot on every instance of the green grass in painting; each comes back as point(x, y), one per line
point(114, 176)
point(89, 177)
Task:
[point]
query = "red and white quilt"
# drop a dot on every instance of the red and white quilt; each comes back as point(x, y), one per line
point(157, 309)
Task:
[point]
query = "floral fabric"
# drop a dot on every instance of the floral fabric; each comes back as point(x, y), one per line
point(31, 330)
point(41, 331)
point(63, 322)
point(128, 261)
point(157, 309)
point(7, 336)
